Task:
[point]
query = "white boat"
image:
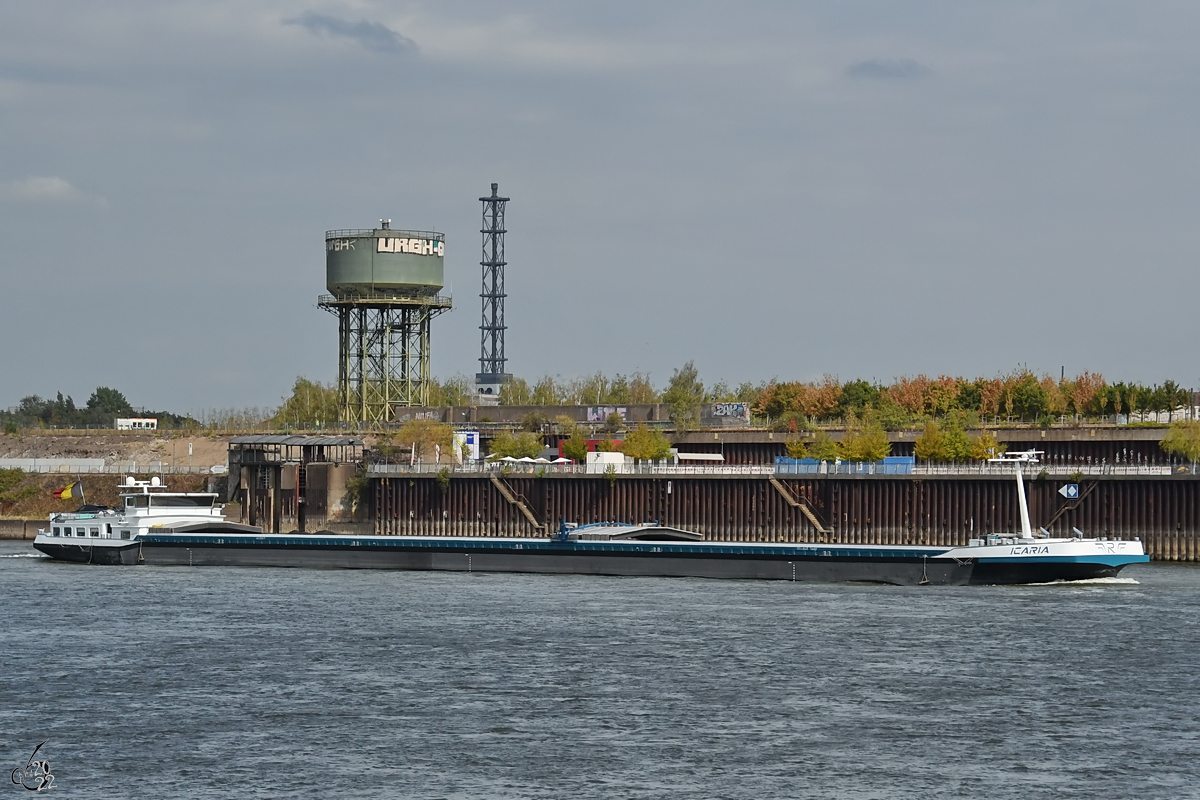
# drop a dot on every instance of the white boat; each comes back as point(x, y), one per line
point(102, 535)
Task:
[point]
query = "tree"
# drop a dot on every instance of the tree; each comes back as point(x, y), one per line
point(796, 448)
point(857, 396)
point(523, 444)
point(574, 446)
point(646, 444)
point(534, 421)
point(824, 448)
point(867, 441)
point(109, 402)
point(641, 390)
point(985, 446)
point(454, 391)
point(515, 392)
point(546, 392)
point(1171, 397)
point(1027, 397)
point(310, 405)
point(423, 436)
point(1183, 439)
point(931, 445)
point(684, 395)
point(957, 445)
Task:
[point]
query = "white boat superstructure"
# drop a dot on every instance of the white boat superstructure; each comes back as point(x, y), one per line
point(94, 533)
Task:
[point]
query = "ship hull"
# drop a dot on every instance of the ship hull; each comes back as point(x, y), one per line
point(892, 571)
point(904, 566)
point(90, 554)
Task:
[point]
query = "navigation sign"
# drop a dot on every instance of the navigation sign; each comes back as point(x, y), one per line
point(1069, 491)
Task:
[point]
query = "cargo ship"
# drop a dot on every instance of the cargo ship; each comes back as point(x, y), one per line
point(157, 527)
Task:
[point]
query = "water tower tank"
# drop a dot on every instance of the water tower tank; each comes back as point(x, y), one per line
point(382, 262)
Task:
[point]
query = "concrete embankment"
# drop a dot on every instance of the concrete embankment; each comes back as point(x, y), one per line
point(20, 528)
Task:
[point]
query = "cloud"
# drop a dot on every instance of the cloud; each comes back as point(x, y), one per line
point(375, 36)
point(47, 190)
point(887, 69)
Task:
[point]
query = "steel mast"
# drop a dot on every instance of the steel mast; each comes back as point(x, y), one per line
point(491, 331)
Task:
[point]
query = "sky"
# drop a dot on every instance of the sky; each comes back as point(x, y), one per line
point(861, 188)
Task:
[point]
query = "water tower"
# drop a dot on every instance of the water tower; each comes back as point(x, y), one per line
point(385, 289)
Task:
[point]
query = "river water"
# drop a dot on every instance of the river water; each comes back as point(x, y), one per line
point(214, 682)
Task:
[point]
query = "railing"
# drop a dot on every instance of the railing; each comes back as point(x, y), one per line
point(1032, 470)
point(50, 468)
point(339, 233)
point(825, 468)
point(389, 298)
point(572, 469)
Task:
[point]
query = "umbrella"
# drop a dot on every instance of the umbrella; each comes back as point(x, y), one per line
point(526, 460)
point(541, 460)
point(561, 461)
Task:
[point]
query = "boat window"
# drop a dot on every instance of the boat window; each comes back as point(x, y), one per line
point(108, 528)
point(95, 531)
point(66, 531)
point(56, 531)
point(81, 532)
point(124, 534)
point(176, 501)
point(141, 501)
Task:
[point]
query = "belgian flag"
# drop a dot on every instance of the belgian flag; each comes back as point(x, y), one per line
point(67, 492)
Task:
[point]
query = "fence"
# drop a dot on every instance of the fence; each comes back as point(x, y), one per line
point(525, 468)
point(820, 468)
point(50, 467)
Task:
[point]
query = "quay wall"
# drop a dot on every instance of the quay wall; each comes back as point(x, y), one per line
point(20, 528)
point(894, 509)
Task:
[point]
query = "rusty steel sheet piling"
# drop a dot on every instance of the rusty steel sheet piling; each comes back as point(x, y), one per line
point(893, 509)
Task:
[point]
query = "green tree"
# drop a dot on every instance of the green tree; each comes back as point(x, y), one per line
point(1029, 398)
point(1183, 439)
point(109, 402)
point(574, 446)
point(721, 393)
point(958, 446)
point(454, 391)
point(796, 448)
point(824, 448)
point(423, 436)
point(866, 441)
point(523, 444)
point(646, 444)
point(683, 396)
point(534, 421)
point(515, 392)
point(546, 392)
point(641, 390)
point(618, 391)
point(857, 396)
point(931, 445)
point(310, 405)
point(985, 446)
